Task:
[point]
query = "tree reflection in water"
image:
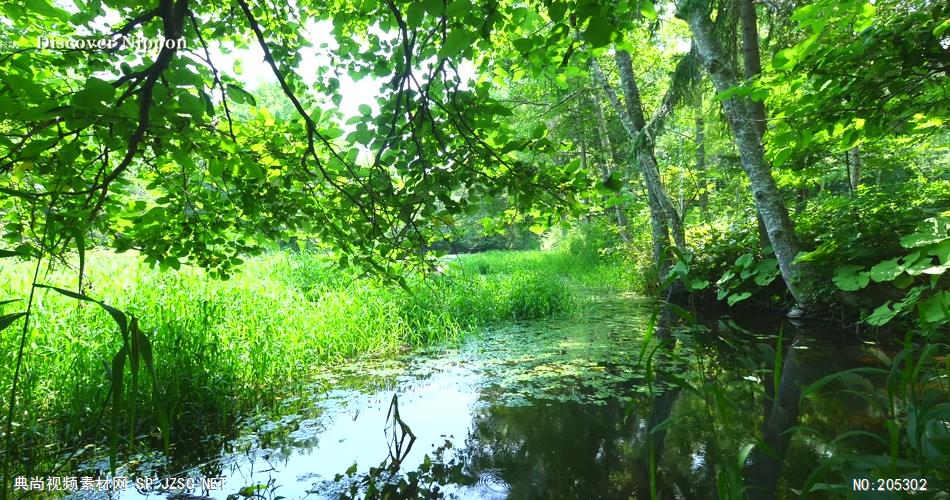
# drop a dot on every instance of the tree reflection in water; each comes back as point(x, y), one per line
point(718, 415)
point(710, 403)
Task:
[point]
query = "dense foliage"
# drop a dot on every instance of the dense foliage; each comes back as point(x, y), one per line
point(782, 155)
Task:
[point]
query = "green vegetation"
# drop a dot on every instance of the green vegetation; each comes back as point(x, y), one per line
point(297, 179)
point(222, 348)
point(855, 229)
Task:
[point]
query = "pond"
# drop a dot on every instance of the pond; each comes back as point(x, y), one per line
point(620, 399)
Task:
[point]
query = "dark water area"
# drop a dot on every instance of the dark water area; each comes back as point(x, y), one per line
point(623, 398)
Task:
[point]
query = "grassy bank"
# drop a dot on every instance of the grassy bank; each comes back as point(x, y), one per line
point(226, 347)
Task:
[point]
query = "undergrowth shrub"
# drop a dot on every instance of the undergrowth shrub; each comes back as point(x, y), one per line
point(856, 229)
point(867, 226)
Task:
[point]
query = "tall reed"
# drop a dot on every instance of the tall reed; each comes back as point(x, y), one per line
point(223, 348)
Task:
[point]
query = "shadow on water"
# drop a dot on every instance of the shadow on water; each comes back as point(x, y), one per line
point(622, 401)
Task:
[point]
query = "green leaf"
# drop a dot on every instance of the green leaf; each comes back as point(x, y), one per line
point(728, 275)
point(145, 352)
point(849, 279)
point(414, 14)
point(827, 379)
point(614, 201)
point(697, 284)
point(886, 270)
point(118, 367)
point(823, 251)
point(241, 96)
point(647, 336)
point(95, 93)
point(81, 250)
point(680, 269)
point(456, 42)
point(14, 253)
point(941, 28)
point(647, 9)
point(744, 260)
point(805, 12)
point(882, 314)
point(933, 230)
point(538, 132)
point(523, 45)
point(7, 319)
point(903, 281)
point(215, 167)
point(941, 251)
point(613, 182)
point(333, 133)
point(737, 91)
point(253, 170)
point(433, 7)
point(183, 160)
point(924, 265)
point(781, 156)
point(743, 454)
point(360, 136)
point(599, 31)
point(785, 59)
point(99, 89)
point(766, 272)
point(936, 308)
point(733, 299)
point(251, 491)
point(866, 18)
point(458, 8)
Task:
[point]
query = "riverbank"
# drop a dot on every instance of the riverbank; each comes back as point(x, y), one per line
point(225, 348)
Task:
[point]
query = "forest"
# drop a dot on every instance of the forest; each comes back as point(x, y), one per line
point(389, 249)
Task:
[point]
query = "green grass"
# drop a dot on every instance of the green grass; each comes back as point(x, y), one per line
point(224, 348)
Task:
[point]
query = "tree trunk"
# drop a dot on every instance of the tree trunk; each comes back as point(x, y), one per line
point(583, 145)
point(659, 225)
point(701, 164)
point(854, 168)
point(660, 235)
point(762, 228)
point(608, 149)
point(765, 467)
point(752, 66)
point(633, 120)
point(645, 149)
point(768, 199)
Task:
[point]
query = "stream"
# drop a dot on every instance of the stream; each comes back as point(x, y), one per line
point(620, 398)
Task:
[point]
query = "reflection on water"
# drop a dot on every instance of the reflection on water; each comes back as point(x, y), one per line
point(563, 409)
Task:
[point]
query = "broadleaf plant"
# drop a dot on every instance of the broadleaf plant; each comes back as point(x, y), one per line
point(925, 265)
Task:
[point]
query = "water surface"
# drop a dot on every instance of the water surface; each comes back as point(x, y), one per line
point(619, 399)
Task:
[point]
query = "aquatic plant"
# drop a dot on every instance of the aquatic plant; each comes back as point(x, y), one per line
point(223, 348)
point(914, 440)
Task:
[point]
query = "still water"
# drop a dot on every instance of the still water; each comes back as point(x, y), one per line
point(619, 399)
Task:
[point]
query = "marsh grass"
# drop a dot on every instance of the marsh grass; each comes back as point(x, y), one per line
point(226, 348)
